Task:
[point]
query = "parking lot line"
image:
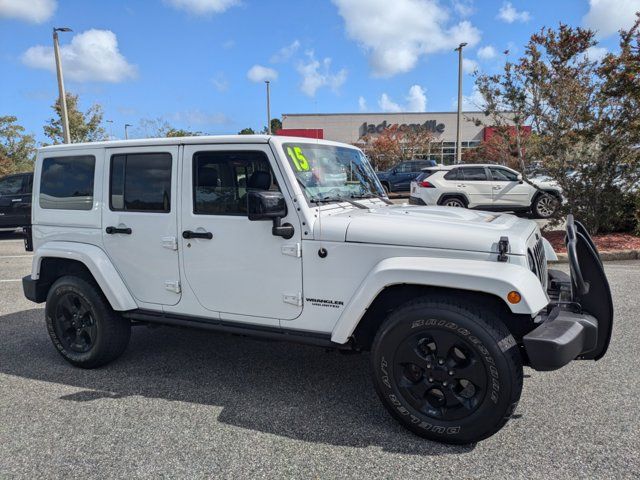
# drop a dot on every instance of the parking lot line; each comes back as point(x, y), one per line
point(11, 280)
point(15, 256)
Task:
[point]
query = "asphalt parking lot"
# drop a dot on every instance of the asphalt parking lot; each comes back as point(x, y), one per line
point(195, 404)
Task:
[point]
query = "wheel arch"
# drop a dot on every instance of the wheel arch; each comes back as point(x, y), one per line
point(459, 195)
point(56, 259)
point(394, 281)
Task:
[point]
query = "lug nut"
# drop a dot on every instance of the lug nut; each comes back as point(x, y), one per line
point(451, 372)
point(429, 366)
point(430, 380)
point(444, 384)
point(441, 361)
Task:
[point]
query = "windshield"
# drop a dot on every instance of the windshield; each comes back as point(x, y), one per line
point(329, 173)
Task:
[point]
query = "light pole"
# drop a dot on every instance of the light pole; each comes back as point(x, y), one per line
point(63, 99)
point(458, 149)
point(126, 132)
point(268, 106)
point(110, 122)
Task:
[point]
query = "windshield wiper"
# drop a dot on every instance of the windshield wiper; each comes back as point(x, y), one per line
point(373, 195)
point(338, 199)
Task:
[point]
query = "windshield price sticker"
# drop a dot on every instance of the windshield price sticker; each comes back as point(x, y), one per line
point(298, 159)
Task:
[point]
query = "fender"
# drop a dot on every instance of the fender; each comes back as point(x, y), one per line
point(549, 251)
point(98, 263)
point(493, 278)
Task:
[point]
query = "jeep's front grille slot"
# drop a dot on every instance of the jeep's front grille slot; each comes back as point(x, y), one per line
point(540, 263)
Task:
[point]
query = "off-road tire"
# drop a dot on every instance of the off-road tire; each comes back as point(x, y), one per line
point(484, 339)
point(540, 207)
point(111, 332)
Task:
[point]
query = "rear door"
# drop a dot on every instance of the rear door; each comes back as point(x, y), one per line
point(507, 189)
point(12, 193)
point(476, 185)
point(140, 220)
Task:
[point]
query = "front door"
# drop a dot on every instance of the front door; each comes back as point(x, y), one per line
point(233, 265)
point(140, 220)
point(508, 190)
point(476, 185)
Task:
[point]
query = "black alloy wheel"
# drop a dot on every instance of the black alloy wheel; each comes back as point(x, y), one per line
point(74, 323)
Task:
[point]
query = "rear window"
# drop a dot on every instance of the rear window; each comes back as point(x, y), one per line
point(66, 183)
point(424, 175)
point(141, 182)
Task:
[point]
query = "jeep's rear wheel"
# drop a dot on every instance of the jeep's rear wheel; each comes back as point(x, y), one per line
point(448, 373)
point(83, 327)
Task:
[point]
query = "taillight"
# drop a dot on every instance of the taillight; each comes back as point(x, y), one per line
point(426, 184)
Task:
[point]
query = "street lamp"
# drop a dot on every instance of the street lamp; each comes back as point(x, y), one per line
point(268, 83)
point(126, 132)
point(110, 122)
point(458, 149)
point(63, 99)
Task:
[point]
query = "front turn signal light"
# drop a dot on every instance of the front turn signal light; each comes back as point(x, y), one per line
point(514, 297)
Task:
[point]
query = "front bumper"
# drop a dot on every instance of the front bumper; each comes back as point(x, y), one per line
point(578, 322)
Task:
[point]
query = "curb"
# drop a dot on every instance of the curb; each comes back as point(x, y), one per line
point(607, 256)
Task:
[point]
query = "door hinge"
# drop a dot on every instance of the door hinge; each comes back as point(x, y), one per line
point(293, 299)
point(169, 242)
point(173, 286)
point(293, 250)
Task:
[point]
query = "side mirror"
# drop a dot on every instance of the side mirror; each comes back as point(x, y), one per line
point(520, 178)
point(268, 205)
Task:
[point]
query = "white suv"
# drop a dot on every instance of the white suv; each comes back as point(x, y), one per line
point(484, 187)
point(292, 239)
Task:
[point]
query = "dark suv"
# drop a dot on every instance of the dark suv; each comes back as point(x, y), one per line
point(399, 178)
point(15, 200)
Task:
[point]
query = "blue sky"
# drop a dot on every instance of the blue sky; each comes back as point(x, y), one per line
point(200, 64)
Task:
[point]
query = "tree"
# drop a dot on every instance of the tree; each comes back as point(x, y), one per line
point(83, 127)
point(584, 114)
point(247, 131)
point(17, 149)
point(396, 144)
point(159, 127)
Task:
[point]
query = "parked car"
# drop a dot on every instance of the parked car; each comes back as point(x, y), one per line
point(485, 187)
point(235, 234)
point(15, 200)
point(399, 178)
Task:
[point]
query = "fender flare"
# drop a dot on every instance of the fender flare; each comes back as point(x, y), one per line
point(98, 263)
point(493, 278)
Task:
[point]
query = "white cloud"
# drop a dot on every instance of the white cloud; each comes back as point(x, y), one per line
point(416, 101)
point(396, 34)
point(285, 53)
point(316, 74)
point(464, 8)
point(258, 73)
point(509, 14)
point(609, 16)
point(362, 104)
point(487, 52)
point(469, 66)
point(474, 101)
point(34, 11)
point(595, 54)
point(92, 56)
point(198, 117)
point(388, 105)
point(203, 7)
point(220, 82)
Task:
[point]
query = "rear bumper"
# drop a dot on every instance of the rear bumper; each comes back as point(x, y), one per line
point(416, 201)
point(34, 290)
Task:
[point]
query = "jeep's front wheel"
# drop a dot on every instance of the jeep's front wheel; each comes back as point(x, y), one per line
point(82, 325)
point(448, 373)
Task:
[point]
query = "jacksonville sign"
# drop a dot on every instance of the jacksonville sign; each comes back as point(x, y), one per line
point(431, 126)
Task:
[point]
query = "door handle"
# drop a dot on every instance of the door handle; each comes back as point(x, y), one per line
point(462, 185)
point(497, 188)
point(188, 234)
point(114, 230)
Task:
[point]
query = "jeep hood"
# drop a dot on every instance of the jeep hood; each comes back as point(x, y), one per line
point(429, 227)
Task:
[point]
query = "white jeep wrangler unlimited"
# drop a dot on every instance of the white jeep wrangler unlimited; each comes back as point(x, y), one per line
point(293, 239)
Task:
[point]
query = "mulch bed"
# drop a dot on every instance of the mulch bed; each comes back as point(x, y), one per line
point(605, 243)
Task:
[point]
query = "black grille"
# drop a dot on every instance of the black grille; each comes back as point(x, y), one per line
point(540, 260)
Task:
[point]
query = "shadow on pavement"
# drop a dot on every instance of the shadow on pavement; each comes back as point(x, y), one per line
point(300, 392)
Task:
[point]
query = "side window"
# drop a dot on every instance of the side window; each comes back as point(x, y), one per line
point(11, 185)
point(140, 182)
point(502, 175)
point(452, 174)
point(404, 167)
point(221, 181)
point(474, 173)
point(27, 184)
point(66, 183)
